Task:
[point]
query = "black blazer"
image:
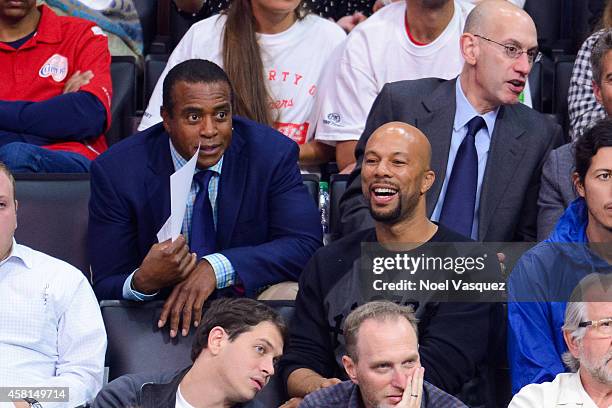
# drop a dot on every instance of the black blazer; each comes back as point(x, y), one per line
point(520, 143)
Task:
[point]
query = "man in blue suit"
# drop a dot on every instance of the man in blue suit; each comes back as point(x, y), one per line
point(249, 222)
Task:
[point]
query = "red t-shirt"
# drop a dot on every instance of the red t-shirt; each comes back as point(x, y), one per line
point(39, 69)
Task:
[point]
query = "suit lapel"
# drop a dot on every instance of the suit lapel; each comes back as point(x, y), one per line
point(437, 124)
point(231, 188)
point(157, 181)
point(505, 154)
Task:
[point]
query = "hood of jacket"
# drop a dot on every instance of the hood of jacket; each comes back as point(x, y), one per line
point(571, 227)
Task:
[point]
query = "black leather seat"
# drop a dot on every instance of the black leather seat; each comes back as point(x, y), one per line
point(311, 181)
point(547, 16)
point(563, 74)
point(123, 106)
point(136, 345)
point(154, 66)
point(53, 215)
point(337, 186)
point(142, 347)
point(535, 86)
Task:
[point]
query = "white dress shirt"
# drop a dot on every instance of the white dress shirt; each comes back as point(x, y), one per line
point(565, 391)
point(51, 328)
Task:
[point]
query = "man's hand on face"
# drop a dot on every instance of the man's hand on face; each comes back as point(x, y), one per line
point(166, 264)
point(413, 391)
point(77, 80)
point(187, 298)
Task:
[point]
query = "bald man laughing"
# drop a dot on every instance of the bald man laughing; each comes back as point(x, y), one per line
point(453, 339)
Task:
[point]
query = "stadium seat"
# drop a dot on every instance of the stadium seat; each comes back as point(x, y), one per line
point(535, 86)
point(338, 183)
point(563, 74)
point(142, 347)
point(147, 11)
point(311, 181)
point(546, 15)
point(154, 66)
point(123, 73)
point(53, 215)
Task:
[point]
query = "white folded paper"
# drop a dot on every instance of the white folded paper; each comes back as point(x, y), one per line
point(180, 184)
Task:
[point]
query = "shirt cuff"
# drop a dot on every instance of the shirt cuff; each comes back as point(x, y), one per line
point(132, 294)
point(224, 271)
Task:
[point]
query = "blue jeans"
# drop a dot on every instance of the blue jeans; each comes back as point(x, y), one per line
point(27, 158)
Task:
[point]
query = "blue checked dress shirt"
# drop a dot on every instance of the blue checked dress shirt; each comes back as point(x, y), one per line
point(464, 112)
point(224, 271)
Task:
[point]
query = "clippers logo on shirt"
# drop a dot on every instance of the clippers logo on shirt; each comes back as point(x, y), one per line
point(97, 31)
point(55, 67)
point(295, 131)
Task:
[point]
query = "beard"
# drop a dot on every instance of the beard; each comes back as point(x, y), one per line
point(387, 217)
point(406, 205)
point(598, 369)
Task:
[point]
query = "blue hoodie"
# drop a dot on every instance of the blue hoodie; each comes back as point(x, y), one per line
point(542, 279)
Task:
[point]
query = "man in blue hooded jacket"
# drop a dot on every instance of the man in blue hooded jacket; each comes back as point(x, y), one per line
point(544, 277)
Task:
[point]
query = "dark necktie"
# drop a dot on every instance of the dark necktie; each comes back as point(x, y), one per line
point(458, 208)
point(203, 237)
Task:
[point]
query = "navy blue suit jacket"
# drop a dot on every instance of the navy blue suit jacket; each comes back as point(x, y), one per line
point(267, 224)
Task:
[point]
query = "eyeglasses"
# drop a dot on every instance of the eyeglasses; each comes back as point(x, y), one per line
point(514, 52)
point(602, 327)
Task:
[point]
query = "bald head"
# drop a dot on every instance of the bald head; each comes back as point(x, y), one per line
point(406, 138)
point(488, 13)
point(499, 46)
point(395, 173)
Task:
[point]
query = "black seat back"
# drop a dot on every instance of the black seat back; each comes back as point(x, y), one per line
point(337, 186)
point(563, 74)
point(136, 345)
point(546, 15)
point(53, 215)
point(311, 181)
point(123, 106)
point(535, 86)
point(154, 66)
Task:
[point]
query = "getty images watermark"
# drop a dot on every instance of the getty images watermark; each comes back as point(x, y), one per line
point(465, 271)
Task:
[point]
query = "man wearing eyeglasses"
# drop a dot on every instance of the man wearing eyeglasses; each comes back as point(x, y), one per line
point(487, 148)
point(588, 334)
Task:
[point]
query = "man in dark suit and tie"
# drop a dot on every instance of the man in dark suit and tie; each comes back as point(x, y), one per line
point(249, 222)
point(487, 149)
